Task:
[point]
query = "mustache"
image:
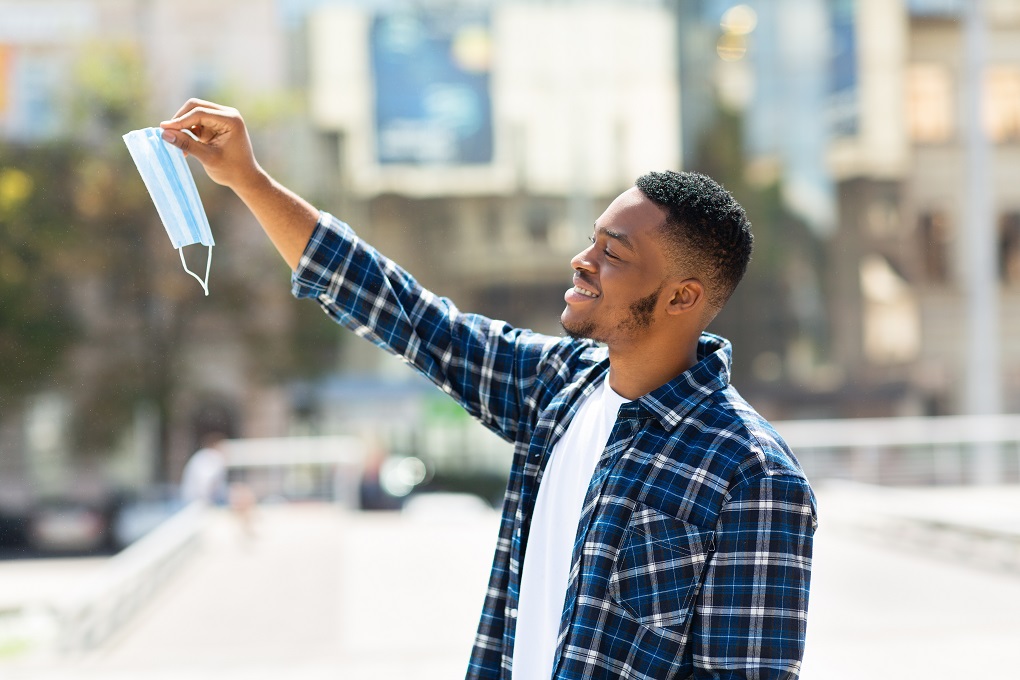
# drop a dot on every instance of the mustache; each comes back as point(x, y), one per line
point(580, 278)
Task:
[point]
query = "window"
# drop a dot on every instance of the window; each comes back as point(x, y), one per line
point(539, 220)
point(493, 222)
point(1002, 103)
point(929, 103)
point(933, 233)
point(891, 315)
point(1009, 248)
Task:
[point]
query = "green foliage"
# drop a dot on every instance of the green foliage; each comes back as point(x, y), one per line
point(760, 315)
point(110, 91)
point(36, 238)
point(92, 296)
point(313, 344)
point(721, 156)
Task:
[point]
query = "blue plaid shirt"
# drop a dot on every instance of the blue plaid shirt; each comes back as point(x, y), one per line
point(692, 557)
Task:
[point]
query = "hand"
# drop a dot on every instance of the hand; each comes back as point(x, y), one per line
point(222, 146)
point(220, 143)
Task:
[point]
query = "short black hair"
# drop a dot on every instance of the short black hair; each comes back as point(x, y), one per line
point(706, 228)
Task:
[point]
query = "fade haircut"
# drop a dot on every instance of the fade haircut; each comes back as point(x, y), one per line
point(706, 230)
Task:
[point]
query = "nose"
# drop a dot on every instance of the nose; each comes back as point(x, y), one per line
point(583, 260)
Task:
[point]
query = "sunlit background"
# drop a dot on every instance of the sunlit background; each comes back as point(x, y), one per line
point(874, 143)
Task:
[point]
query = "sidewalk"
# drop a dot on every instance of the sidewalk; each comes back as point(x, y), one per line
point(318, 593)
point(323, 594)
point(884, 606)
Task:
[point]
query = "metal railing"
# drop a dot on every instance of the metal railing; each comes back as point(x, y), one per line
point(105, 601)
point(908, 451)
point(326, 468)
point(88, 615)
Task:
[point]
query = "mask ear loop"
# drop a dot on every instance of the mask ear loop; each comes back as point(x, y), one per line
point(208, 262)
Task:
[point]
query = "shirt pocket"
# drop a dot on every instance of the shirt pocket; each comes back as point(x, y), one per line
point(659, 567)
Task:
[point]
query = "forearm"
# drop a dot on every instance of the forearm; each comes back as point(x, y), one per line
point(286, 218)
point(484, 364)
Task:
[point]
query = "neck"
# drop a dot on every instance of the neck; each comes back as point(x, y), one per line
point(637, 370)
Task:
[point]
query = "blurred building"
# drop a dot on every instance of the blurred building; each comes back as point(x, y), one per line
point(50, 51)
point(898, 265)
point(476, 144)
point(769, 60)
point(754, 81)
point(189, 48)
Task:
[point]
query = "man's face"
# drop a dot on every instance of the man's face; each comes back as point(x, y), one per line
point(618, 278)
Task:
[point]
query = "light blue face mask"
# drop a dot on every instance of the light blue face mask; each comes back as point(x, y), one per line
point(168, 178)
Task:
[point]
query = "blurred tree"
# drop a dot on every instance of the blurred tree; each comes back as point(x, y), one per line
point(36, 239)
point(763, 318)
point(92, 295)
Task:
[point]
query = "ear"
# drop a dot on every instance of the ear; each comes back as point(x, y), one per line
point(686, 296)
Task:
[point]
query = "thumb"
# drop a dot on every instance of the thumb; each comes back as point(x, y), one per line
point(188, 144)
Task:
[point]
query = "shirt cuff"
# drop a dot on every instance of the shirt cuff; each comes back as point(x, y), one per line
point(324, 258)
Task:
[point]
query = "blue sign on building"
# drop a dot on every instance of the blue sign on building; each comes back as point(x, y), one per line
point(843, 98)
point(936, 8)
point(431, 76)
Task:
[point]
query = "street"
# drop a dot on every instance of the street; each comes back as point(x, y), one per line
point(319, 593)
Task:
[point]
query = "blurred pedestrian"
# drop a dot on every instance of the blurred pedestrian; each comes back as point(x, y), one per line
point(372, 495)
point(654, 526)
point(204, 478)
point(242, 503)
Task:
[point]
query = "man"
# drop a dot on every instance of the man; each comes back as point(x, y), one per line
point(204, 478)
point(654, 525)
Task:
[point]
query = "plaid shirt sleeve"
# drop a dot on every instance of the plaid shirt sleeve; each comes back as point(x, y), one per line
point(484, 364)
point(751, 619)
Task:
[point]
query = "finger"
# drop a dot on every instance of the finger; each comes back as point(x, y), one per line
point(201, 133)
point(194, 103)
point(191, 132)
point(189, 145)
point(215, 119)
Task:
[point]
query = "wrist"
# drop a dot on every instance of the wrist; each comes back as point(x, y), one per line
point(251, 183)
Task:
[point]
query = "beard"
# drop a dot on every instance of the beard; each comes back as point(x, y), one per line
point(586, 330)
point(640, 317)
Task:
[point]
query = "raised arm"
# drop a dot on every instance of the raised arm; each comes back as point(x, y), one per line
point(487, 366)
point(224, 150)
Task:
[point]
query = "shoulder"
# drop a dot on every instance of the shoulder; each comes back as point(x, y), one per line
point(729, 443)
point(766, 477)
point(745, 439)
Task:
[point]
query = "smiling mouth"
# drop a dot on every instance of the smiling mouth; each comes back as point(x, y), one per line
point(585, 292)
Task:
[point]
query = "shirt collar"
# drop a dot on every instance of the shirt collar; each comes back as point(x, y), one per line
point(674, 400)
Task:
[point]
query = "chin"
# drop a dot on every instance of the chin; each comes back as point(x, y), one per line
point(579, 330)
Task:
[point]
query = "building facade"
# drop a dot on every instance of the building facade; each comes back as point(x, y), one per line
point(899, 264)
point(510, 128)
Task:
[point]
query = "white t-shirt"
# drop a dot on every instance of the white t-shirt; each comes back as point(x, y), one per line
point(546, 567)
point(204, 477)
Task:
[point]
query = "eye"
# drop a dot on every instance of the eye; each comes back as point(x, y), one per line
point(591, 239)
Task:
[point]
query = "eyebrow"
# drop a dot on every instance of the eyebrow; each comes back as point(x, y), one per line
point(622, 238)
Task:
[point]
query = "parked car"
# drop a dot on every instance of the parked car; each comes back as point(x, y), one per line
point(140, 513)
point(68, 526)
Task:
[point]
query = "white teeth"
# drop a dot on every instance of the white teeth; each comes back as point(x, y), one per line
point(587, 293)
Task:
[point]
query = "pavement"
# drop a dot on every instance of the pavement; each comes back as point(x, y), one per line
point(322, 593)
point(889, 602)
